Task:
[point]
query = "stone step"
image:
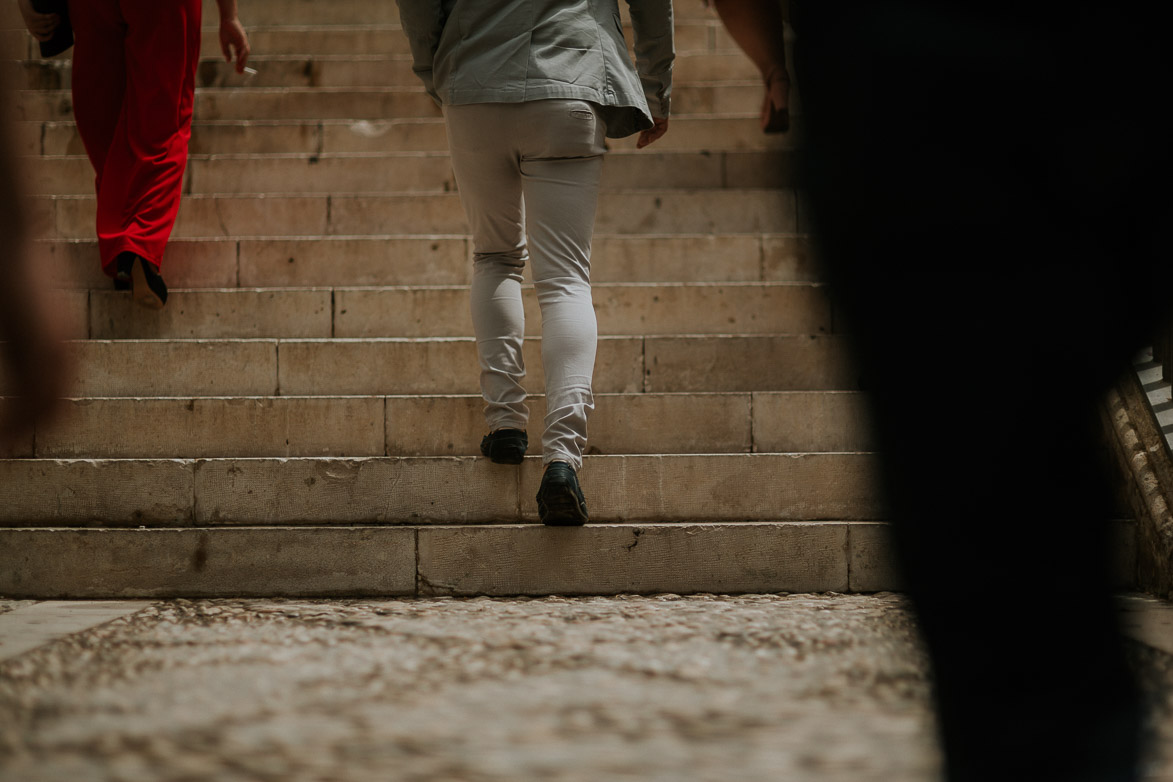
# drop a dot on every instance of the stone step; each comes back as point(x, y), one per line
point(291, 68)
point(632, 309)
point(333, 137)
point(246, 216)
point(432, 490)
point(369, 103)
point(511, 559)
point(161, 428)
point(367, 367)
point(691, 36)
point(435, 260)
point(421, 171)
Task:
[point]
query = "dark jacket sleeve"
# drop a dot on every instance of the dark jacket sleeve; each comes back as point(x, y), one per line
point(423, 22)
point(651, 21)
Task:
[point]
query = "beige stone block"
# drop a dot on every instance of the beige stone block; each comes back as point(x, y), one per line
point(26, 137)
point(749, 363)
point(331, 39)
point(349, 491)
point(760, 169)
point(40, 217)
point(215, 314)
point(92, 491)
point(724, 258)
point(615, 559)
point(422, 213)
point(18, 445)
point(381, 260)
point(789, 258)
point(720, 98)
point(243, 137)
point(235, 427)
point(38, 105)
point(320, 103)
point(690, 35)
point(409, 312)
point(262, 562)
point(700, 67)
point(620, 424)
point(322, 173)
point(252, 215)
point(72, 309)
point(58, 138)
point(174, 368)
point(188, 263)
point(653, 168)
point(214, 216)
point(388, 135)
point(59, 176)
point(697, 212)
point(722, 487)
point(352, 13)
point(430, 366)
point(871, 558)
point(302, 70)
point(711, 133)
point(711, 308)
point(788, 422)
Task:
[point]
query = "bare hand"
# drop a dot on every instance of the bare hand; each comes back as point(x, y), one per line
point(234, 42)
point(652, 134)
point(40, 26)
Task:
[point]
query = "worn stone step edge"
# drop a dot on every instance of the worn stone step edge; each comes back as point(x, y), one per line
point(530, 559)
point(414, 490)
point(424, 172)
point(446, 365)
point(324, 261)
point(628, 309)
point(439, 425)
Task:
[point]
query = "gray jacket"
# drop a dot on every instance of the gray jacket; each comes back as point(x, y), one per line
point(510, 51)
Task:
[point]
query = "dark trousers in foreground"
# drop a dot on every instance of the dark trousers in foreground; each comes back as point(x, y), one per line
point(989, 187)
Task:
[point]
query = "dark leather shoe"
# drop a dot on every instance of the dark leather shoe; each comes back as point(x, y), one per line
point(560, 500)
point(140, 277)
point(505, 446)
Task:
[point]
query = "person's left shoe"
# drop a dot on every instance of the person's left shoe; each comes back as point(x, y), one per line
point(136, 274)
point(560, 500)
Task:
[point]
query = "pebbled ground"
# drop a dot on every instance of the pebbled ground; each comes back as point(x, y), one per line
point(665, 689)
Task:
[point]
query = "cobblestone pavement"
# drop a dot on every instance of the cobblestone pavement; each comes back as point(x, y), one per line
point(662, 688)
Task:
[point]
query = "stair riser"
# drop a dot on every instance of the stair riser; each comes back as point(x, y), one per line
point(377, 367)
point(398, 260)
point(658, 212)
point(499, 560)
point(370, 103)
point(444, 312)
point(686, 134)
point(441, 426)
point(293, 68)
point(759, 487)
point(423, 172)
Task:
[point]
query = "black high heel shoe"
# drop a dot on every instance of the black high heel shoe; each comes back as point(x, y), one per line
point(776, 105)
point(135, 274)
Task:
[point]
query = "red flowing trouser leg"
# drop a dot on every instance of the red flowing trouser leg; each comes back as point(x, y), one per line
point(134, 72)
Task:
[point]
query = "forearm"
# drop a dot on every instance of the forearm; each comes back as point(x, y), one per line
point(655, 51)
point(228, 10)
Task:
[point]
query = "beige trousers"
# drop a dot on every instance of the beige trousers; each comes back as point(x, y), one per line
point(528, 175)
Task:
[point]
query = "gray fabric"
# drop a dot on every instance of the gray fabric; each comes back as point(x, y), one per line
point(532, 169)
point(513, 51)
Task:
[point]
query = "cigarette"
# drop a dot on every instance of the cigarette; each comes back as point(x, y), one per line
point(250, 71)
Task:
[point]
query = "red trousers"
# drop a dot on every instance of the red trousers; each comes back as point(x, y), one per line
point(134, 71)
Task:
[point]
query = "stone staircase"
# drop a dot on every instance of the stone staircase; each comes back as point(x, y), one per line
point(303, 417)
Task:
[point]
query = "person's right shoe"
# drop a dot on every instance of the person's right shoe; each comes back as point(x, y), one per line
point(560, 500)
point(134, 273)
point(505, 446)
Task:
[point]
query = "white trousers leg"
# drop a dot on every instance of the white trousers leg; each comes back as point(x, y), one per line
point(528, 175)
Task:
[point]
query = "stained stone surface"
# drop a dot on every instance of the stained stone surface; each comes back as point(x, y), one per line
point(630, 688)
